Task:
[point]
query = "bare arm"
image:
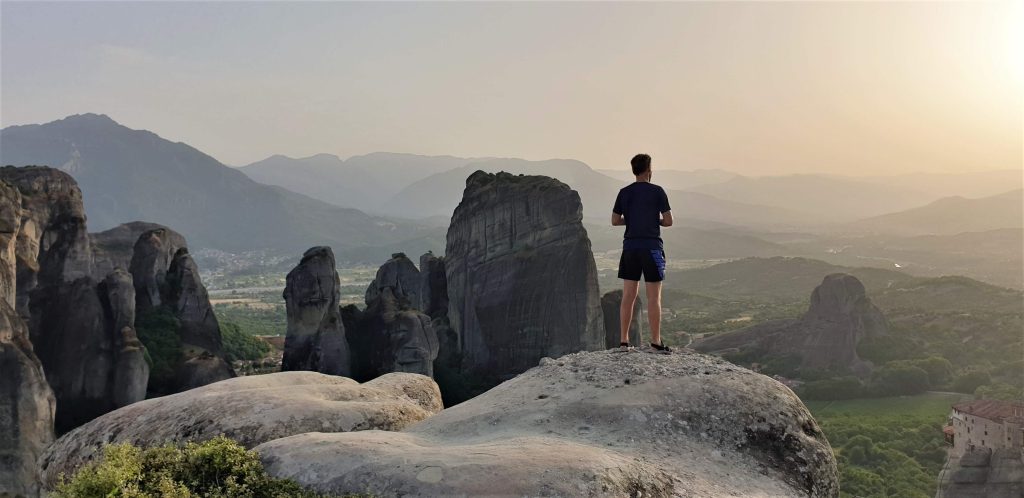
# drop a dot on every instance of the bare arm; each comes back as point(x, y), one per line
point(666, 219)
point(618, 220)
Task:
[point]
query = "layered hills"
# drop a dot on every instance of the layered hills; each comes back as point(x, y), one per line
point(127, 175)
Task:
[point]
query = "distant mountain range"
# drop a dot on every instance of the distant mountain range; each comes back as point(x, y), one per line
point(128, 175)
point(365, 182)
point(952, 215)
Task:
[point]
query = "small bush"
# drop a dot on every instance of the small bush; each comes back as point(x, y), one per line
point(239, 345)
point(159, 331)
point(218, 468)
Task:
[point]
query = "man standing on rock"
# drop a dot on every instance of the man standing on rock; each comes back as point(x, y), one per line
point(643, 208)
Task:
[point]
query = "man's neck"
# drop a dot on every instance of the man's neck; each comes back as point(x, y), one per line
point(645, 179)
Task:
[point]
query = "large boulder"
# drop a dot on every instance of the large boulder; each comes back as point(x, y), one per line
point(825, 338)
point(315, 339)
point(252, 410)
point(590, 423)
point(610, 306)
point(522, 283)
point(26, 400)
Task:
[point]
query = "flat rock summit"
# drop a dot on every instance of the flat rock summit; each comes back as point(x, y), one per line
point(586, 424)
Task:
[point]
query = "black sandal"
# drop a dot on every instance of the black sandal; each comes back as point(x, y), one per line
point(661, 348)
point(624, 346)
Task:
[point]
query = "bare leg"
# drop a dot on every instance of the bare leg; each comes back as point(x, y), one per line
point(654, 310)
point(630, 288)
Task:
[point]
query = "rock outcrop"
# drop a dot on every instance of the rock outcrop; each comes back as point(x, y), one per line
point(983, 473)
point(825, 338)
point(112, 249)
point(80, 327)
point(252, 410)
point(52, 244)
point(167, 283)
point(433, 286)
point(522, 283)
point(26, 400)
point(391, 335)
point(27, 407)
point(610, 306)
point(590, 423)
point(315, 338)
point(152, 254)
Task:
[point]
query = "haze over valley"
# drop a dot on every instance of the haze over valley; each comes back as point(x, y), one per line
point(354, 249)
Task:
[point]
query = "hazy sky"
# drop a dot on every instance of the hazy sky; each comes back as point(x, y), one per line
point(759, 88)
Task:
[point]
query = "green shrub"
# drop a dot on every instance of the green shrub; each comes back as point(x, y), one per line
point(239, 345)
point(218, 468)
point(159, 331)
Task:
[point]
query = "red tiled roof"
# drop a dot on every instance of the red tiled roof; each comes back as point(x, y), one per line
point(948, 430)
point(991, 409)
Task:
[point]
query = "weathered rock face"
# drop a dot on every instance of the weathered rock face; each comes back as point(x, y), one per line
point(131, 372)
point(592, 423)
point(81, 329)
point(10, 225)
point(52, 243)
point(187, 296)
point(401, 276)
point(610, 303)
point(522, 283)
point(433, 286)
point(26, 400)
point(983, 473)
point(27, 407)
point(316, 335)
point(82, 333)
point(826, 337)
point(151, 259)
point(167, 281)
point(114, 248)
point(391, 335)
point(260, 408)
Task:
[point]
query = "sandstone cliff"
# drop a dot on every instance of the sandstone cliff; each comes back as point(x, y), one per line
point(840, 315)
point(591, 423)
point(315, 338)
point(983, 473)
point(80, 328)
point(26, 400)
point(522, 283)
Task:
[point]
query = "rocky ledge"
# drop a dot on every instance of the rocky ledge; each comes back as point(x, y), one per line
point(591, 423)
point(251, 410)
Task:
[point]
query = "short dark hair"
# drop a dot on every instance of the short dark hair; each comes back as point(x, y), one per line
point(641, 164)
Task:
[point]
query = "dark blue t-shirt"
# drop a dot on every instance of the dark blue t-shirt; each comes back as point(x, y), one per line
point(642, 203)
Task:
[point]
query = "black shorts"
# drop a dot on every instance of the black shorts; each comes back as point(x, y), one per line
point(647, 262)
